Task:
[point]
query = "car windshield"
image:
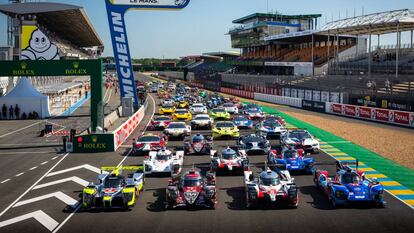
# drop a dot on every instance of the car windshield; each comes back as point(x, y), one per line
point(182, 111)
point(167, 106)
point(267, 181)
point(162, 157)
point(350, 178)
point(198, 105)
point(228, 105)
point(198, 139)
point(271, 124)
point(229, 155)
point(162, 119)
point(188, 182)
point(254, 110)
point(218, 110)
point(113, 182)
point(149, 139)
point(240, 119)
point(225, 125)
point(202, 118)
point(176, 126)
point(290, 154)
point(299, 135)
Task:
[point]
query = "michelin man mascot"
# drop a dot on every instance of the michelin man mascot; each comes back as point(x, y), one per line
point(40, 48)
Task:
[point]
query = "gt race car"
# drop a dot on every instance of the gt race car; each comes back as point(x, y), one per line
point(219, 114)
point(177, 129)
point(271, 129)
point(225, 129)
point(159, 122)
point(243, 122)
point(300, 138)
point(167, 109)
point(231, 108)
point(230, 159)
point(198, 144)
point(254, 114)
point(292, 160)
point(192, 190)
point(147, 143)
point(182, 115)
point(163, 161)
point(202, 121)
point(198, 108)
point(114, 189)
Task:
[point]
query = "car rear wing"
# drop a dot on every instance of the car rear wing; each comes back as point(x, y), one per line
point(116, 170)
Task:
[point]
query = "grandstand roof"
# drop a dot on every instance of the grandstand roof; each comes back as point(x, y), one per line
point(224, 54)
point(300, 37)
point(69, 22)
point(377, 23)
point(276, 15)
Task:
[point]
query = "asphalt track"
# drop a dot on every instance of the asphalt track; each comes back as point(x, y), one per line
point(314, 213)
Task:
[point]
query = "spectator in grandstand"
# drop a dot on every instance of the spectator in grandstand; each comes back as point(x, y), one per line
point(387, 85)
point(80, 94)
point(4, 111)
point(11, 112)
point(17, 111)
point(369, 84)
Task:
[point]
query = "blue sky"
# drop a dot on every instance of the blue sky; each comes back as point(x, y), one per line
point(202, 26)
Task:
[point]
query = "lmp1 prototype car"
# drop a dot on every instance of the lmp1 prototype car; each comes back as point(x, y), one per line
point(225, 129)
point(254, 143)
point(270, 129)
point(291, 159)
point(219, 114)
point(159, 122)
point(198, 108)
point(167, 109)
point(349, 186)
point(300, 138)
point(271, 187)
point(147, 143)
point(182, 115)
point(177, 129)
point(243, 122)
point(192, 190)
point(198, 144)
point(114, 189)
point(202, 121)
point(230, 159)
point(164, 161)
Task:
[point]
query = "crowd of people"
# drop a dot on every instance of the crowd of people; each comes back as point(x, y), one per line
point(13, 113)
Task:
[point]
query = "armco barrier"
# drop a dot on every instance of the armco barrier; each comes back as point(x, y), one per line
point(126, 129)
point(372, 114)
point(290, 101)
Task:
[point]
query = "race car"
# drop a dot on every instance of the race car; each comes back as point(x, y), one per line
point(159, 122)
point(243, 122)
point(300, 138)
point(224, 129)
point(219, 114)
point(147, 143)
point(178, 98)
point(192, 190)
point(182, 115)
point(177, 129)
point(251, 106)
point(198, 144)
point(291, 159)
point(202, 121)
point(114, 189)
point(230, 159)
point(202, 94)
point(272, 187)
point(167, 109)
point(254, 114)
point(270, 129)
point(198, 108)
point(274, 118)
point(231, 108)
point(254, 144)
point(163, 161)
point(169, 102)
point(182, 104)
point(349, 186)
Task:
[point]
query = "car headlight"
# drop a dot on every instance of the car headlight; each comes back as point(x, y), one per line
point(339, 194)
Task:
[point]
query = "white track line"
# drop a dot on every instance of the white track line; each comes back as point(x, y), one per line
point(31, 169)
point(19, 174)
point(31, 187)
point(120, 163)
point(4, 181)
point(20, 129)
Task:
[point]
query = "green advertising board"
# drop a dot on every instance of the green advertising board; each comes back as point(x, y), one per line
point(93, 143)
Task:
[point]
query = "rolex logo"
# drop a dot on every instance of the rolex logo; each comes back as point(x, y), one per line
point(76, 65)
point(94, 139)
point(23, 65)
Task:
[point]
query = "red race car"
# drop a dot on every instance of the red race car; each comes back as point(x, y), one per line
point(147, 143)
point(159, 122)
point(192, 190)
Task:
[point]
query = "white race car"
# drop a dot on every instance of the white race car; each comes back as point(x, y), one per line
point(164, 161)
point(231, 108)
point(198, 108)
point(202, 121)
point(177, 129)
point(167, 102)
point(232, 160)
point(300, 139)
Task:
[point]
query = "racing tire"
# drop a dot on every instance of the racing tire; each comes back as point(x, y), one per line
point(332, 199)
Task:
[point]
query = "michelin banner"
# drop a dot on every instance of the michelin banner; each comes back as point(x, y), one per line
point(116, 16)
point(36, 45)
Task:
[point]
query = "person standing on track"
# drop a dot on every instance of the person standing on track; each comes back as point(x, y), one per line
point(11, 112)
point(17, 111)
point(4, 111)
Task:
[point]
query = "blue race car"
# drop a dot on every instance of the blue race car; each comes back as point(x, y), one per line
point(243, 122)
point(178, 98)
point(270, 128)
point(292, 160)
point(349, 186)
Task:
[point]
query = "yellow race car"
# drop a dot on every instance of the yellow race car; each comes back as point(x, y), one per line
point(219, 114)
point(114, 188)
point(182, 115)
point(225, 129)
point(182, 104)
point(167, 109)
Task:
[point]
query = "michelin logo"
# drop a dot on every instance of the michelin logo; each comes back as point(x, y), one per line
point(40, 48)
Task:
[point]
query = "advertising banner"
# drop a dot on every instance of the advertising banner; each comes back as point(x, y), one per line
point(116, 10)
point(294, 93)
point(36, 45)
point(400, 117)
point(381, 114)
point(325, 96)
point(301, 93)
point(365, 112)
point(336, 108)
point(308, 95)
point(315, 106)
point(93, 143)
point(334, 97)
point(351, 110)
point(316, 95)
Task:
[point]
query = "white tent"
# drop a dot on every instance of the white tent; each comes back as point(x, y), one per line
point(28, 99)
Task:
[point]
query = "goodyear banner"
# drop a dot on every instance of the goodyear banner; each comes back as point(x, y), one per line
point(36, 45)
point(116, 11)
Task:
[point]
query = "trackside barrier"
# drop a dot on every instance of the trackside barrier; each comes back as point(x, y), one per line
point(393, 117)
point(126, 129)
point(275, 99)
point(236, 92)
